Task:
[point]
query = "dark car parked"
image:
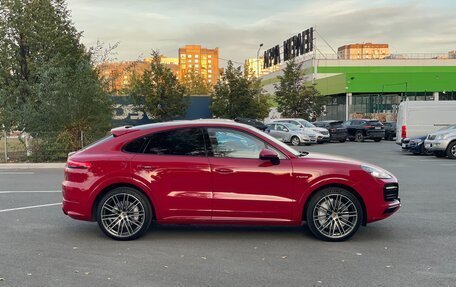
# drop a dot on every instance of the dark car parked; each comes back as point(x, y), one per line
point(362, 129)
point(390, 130)
point(337, 130)
point(416, 146)
point(252, 122)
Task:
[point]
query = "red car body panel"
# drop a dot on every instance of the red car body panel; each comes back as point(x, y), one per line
point(199, 189)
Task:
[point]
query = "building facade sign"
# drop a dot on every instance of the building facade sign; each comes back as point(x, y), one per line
point(295, 46)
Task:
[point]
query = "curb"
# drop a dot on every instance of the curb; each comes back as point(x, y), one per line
point(52, 165)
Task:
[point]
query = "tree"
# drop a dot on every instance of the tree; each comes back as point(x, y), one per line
point(48, 86)
point(236, 96)
point(195, 84)
point(158, 92)
point(295, 97)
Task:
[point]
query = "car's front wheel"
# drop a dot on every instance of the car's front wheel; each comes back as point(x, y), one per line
point(334, 214)
point(359, 137)
point(295, 140)
point(451, 150)
point(124, 213)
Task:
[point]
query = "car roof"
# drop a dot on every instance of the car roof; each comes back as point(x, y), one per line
point(184, 123)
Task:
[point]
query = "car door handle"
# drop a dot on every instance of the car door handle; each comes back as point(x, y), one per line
point(223, 170)
point(148, 167)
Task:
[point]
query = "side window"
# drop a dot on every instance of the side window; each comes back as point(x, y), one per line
point(189, 142)
point(234, 144)
point(135, 146)
point(280, 128)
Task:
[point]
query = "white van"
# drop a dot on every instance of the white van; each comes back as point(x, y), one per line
point(420, 118)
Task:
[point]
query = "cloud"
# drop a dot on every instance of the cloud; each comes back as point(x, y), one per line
point(238, 27)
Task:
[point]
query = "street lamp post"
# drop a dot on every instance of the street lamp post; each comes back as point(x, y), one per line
point(258, 60)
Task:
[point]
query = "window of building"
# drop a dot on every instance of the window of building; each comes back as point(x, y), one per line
point(209, 61)
point(197, 56)
point(189, 56)
point(210, 71)
point(196, 61)
point(196, 66)
point(184, 142)
point(209, 56)
point(209, 76)
point(183, 55)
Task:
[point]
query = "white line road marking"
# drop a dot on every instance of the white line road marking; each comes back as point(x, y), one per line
point(16, 172)
point(29, 191)
point(30, 207)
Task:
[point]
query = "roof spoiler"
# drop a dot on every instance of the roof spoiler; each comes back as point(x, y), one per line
point(122, 130)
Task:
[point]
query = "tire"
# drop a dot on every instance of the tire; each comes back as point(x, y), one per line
point(359, 137)
point(124, 214)
point(377, 140)
point(439, 154)
point(295, 141)
point(425, 151)
point(323, 218)
point(451, 150)
point(342, 141)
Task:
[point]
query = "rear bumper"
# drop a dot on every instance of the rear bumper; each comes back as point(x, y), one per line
point(339, 136)
point(75, 204)
point(375, 134)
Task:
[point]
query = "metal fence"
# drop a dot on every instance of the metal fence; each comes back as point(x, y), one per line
point(43, 147)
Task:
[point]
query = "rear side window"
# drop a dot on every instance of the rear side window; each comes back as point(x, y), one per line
point(188, 142)
point(135, 146)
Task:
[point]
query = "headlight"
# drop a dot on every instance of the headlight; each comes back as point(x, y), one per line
point(441, 137)
point(376, 172)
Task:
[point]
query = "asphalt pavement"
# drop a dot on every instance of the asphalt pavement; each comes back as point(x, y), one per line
point(40, 246)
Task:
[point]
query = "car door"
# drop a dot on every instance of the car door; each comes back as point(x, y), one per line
point(175, 167)
point(350, 127)
point(244, 187)
point(283, 132)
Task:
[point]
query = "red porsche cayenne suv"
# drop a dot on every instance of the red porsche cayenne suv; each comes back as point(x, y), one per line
point(220, 172)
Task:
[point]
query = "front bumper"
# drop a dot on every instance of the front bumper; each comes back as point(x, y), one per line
point(436, 145)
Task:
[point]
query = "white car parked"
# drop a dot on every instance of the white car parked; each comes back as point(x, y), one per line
point(322, 133)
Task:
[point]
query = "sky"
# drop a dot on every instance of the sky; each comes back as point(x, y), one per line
point(237, 27)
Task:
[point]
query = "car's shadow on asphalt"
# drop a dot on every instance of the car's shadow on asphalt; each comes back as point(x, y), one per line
point(156, 232)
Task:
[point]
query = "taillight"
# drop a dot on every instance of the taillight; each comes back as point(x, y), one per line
point(404, 132)
point(78, 164)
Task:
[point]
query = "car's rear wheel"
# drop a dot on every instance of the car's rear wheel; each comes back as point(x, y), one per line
point(451, 150)
point(359, 137)
point(295, 140)
point(124, 213)
point(334, 214)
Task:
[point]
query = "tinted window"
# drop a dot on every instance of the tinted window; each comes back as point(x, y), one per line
point(234, 144)
point(177, 142)
point(135, 146)
point(280, 128)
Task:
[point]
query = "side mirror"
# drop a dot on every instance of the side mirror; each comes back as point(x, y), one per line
point(267, 154)
point(285, 130)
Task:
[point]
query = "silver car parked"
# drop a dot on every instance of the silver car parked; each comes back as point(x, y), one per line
point(442, 142)
point(292, 134)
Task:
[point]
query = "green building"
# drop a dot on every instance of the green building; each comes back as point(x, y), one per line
point(376, 86)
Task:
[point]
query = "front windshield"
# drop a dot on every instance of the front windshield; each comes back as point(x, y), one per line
point(306, 124)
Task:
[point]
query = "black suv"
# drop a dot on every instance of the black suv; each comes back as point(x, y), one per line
point(390, 130)
point(252, 122)
point(337, 130)
point(361, 129)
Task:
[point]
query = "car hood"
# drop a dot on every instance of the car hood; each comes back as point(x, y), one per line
point(444, 132)
point(331, 158)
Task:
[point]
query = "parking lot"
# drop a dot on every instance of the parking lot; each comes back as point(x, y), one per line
point(415, 247)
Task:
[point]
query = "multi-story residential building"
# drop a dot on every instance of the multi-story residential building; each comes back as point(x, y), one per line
point(363, 51)
point(118, 74)
point(199, 60)
point(255, 68)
